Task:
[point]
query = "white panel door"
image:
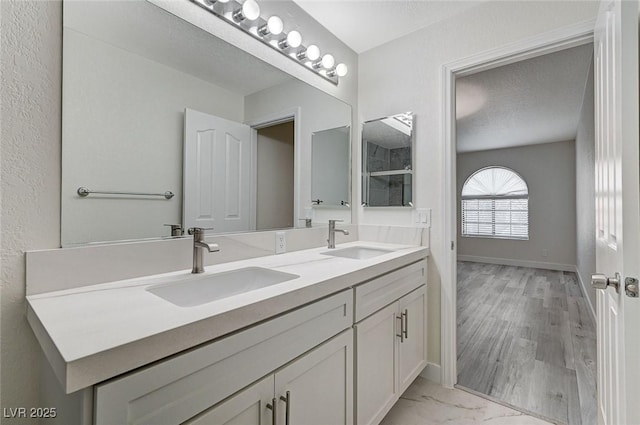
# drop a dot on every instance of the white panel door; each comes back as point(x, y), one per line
point(217, 173)
point(412, 350)
point(376, 379)
point(617, 211)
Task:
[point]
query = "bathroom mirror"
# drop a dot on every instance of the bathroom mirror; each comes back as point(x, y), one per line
point(136, 80)
point(387, 161)
point(331, 168)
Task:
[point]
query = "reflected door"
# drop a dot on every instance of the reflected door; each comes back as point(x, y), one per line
point(217, 173)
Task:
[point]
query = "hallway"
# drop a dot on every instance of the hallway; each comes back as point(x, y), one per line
point(526, 338)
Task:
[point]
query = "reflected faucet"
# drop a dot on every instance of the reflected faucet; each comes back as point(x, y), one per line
point(199, 245)
point(332, 233)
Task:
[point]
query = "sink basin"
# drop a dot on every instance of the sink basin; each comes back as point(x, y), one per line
point(358, 252)
point(204, 289)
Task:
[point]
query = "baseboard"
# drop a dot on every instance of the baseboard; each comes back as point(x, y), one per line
point(431, 372)
point(518, 263)
point(583, 288)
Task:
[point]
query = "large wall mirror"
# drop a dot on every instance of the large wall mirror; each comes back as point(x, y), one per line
point(387, 161)
point(163, 123)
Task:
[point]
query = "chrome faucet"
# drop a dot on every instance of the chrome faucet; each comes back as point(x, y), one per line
point(199, 245)
point(332, 233)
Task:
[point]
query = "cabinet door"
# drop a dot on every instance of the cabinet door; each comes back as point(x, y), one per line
point(412, 351)
point(317, 389)
point(248, 407)
point(376, 383)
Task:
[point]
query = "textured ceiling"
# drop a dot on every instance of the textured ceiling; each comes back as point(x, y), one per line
point(365, 24)
point(534, 101)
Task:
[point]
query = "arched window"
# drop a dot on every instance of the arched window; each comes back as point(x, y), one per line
point(495, 204)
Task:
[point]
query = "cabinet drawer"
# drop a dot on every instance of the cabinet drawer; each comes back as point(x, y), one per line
point(185, 385)
point(377, 293)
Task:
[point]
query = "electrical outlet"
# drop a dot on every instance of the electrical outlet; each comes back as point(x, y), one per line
point(281, 242)
point(545, 253)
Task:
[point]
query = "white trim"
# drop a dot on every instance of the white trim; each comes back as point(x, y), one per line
point(432, 372)
point(518, 263)
point(548, 42)
point(268, 120)
point(583, 288)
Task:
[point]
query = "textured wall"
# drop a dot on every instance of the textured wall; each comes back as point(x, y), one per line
point(550, 173)
point(585, 192)
point(30, 61)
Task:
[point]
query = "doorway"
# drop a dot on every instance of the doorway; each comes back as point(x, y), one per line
point(480, 271)
point(275, 160)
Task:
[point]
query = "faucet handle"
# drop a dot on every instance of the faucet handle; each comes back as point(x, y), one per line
point(307, 221)
point(194, 230)
point(176, 229)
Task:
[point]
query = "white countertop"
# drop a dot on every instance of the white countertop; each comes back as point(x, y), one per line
point(96, 332)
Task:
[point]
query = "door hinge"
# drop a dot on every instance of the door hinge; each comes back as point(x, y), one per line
point(453, 245)
point(631, 287)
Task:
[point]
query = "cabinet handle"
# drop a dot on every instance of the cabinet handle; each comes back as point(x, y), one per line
point(405, 328)
point(272, 406)
point(287, 406)
point(401, 334)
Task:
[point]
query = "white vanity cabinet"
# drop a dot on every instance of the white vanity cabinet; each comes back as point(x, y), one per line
point(390, 339)
point(176, 390)
point(315, 389)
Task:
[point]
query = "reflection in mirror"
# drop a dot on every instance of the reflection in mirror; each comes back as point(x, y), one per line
point(387, 157)
point(130, 71)
point(331, 167)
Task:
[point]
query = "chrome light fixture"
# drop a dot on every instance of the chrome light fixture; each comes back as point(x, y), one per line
point(250, 10)
point(312, 53)
point(274, 26)
point(340, 70)
point(293, 40)
point(245, 15)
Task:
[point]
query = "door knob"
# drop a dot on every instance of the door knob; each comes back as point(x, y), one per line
point(600, 281)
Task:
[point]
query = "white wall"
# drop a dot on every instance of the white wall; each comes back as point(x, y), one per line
point(406, 75)
point(318, 111)
point(30, 66)
point(148, 159)
point(550, 173)
point(585, 193)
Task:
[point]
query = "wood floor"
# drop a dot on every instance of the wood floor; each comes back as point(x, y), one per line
point(526, 337)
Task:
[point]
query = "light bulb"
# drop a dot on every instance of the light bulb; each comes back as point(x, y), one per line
point(313, 52)
point(250, 10)
point(341, 70)
point(294, 39)
point(273, 26)
point(328, 61)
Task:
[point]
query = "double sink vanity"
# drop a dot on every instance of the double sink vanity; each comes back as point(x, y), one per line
point(316, 336)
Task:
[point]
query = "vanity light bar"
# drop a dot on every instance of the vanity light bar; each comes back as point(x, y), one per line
point(246, 16)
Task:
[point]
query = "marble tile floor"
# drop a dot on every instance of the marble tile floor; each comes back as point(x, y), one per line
point(526, 338)
point(428, 403)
